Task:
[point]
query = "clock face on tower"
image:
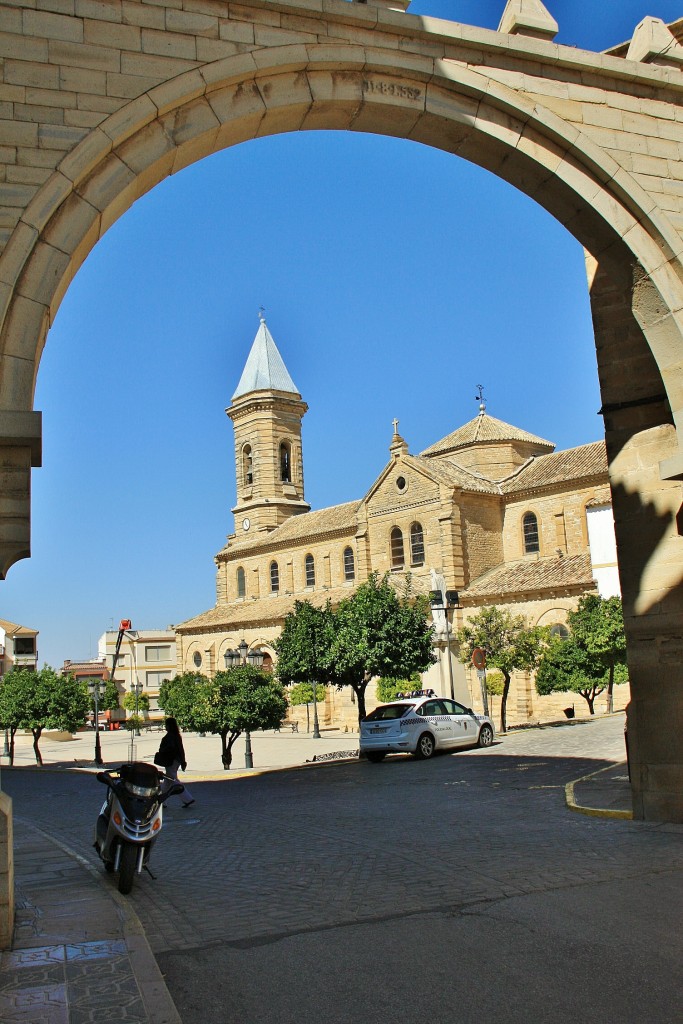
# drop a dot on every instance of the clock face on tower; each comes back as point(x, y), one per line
point(246, 523)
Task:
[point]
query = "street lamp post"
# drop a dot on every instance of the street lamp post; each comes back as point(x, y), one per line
point(136, 687)
point(243, 656)
point(94, 687)
point(445, 602)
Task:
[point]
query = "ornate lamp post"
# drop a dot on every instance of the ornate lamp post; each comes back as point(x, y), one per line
point(94, 687)
point(445, 602)
point(243, 656)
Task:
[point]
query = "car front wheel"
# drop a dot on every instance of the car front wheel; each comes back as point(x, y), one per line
point(425, 746)
point(485, 736)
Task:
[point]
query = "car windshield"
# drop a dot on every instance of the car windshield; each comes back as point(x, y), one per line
point(388, 712)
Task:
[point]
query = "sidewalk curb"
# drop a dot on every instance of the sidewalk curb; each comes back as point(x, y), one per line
point(159, 1006)
point(593, 812)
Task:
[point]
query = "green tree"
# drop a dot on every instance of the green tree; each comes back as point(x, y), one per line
point(181, 698)
point(597, 626)
point(388, 689)
point(303, 646)
point(495, 684)
point(302, 693)
point(568, 667)
point(129, 701)
point(109, 701)
point(40, 700)
point(510, 645)
point(378, 632)
point(239, 700)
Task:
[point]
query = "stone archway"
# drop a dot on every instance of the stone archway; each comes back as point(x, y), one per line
point(519, 107)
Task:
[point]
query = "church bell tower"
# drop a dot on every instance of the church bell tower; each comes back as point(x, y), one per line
point(266, 412)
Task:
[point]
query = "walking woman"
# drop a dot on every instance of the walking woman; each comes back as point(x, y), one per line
point(171, 756)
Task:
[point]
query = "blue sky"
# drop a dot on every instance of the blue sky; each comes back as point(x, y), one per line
point(395, 279)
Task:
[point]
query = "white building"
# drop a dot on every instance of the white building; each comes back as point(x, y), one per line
point(18, 647)
point(146, 656)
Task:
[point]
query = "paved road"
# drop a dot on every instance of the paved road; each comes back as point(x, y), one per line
point(455, 889)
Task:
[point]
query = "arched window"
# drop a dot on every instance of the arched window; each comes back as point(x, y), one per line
point(241, 585)
point(559, 630)
point(247, 466)
point(417, 545)
point(274, 578)
point(530, 529)
point(397, 556)
point(285, 463)
point(310, 571)
point(349, 565)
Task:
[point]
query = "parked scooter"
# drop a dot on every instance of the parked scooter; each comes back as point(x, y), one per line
point(131, 818)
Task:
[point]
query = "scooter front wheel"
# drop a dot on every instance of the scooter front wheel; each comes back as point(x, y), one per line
point(127, 865)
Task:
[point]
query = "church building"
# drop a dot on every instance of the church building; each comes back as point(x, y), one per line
point(491, 512)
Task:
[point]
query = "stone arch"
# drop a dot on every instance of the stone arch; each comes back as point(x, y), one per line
point(290, 88)
point(635, 279)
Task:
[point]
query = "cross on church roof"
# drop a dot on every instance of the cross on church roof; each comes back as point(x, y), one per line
point(395, 422)
point(479, 397)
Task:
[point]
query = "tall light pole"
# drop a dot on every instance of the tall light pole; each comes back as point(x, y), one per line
point(94, 687)
point(137, 690)
point(243, 656)
point(444, 602)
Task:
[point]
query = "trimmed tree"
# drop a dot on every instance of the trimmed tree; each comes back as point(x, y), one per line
point(378, 632)
point(303, 647)
point(130, 702)
point(241, 699)
point(568, 667)
point(181, 698)
point(41, 700)
point(597, 626)
point(302, 693)
point(109, 701)
point(388, 689)
point(510, 645)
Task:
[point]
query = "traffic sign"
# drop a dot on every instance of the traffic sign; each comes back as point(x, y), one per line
point(479, 657)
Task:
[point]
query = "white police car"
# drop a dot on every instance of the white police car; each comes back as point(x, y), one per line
point(421, 723)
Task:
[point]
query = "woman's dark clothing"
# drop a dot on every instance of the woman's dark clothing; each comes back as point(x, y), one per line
point(172, 757)
point(171, 749)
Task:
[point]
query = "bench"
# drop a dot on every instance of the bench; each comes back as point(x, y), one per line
point(294, 726)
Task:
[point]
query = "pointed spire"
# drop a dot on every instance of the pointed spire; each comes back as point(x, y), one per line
point(264, 369)
point(528, 18)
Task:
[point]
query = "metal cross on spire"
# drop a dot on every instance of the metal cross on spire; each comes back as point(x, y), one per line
point(262, 314)
point(479, 397)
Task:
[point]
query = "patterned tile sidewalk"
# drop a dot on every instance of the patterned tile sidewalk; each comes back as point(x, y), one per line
point(79, 954)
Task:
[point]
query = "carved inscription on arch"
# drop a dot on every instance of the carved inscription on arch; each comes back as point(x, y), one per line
point(391, 87)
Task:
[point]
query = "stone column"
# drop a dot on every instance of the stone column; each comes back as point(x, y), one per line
point(640, 435)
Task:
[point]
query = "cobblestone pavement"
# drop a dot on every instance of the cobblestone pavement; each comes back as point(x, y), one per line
point(343, 874)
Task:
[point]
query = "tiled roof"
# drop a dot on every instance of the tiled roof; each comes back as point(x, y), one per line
point(449, 472)
point(532, 575)
point(271, 610)
point(482, 429)
point(13, 628)
point(309, 524)
point(560, 467)
point(259, 611)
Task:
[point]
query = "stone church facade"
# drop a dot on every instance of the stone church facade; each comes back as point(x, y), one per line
point(490, 511)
